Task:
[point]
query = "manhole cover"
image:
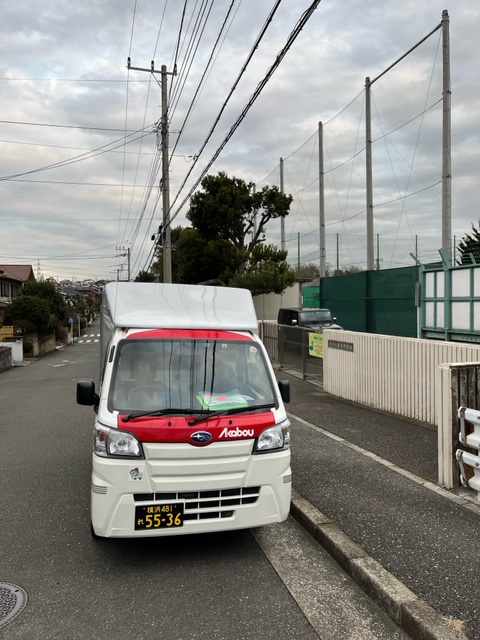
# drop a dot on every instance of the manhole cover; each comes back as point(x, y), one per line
point(13, 600)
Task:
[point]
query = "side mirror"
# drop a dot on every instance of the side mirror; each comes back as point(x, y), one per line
point(284, 387)
point(294, 321)
point(86, 393)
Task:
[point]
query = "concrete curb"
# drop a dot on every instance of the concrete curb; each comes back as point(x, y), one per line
point(414, 616)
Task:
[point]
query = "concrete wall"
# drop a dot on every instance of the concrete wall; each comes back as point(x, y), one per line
point(16, 346)
point(46, 345)
point(388, 372)
point(267, 306)
point(423, 379)
point(6, 360)
point(41, 346)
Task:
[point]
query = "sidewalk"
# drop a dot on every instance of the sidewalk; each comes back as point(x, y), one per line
point(365, 486)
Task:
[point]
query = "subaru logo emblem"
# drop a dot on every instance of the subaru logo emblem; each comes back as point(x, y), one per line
point(201, 437)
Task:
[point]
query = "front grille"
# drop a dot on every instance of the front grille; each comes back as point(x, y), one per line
point(202, 505)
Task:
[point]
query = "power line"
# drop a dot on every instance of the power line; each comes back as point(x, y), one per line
point(205, 71)
point(191, 52)
point(85, 184)
point(64, 126)
point(76, 80)
point(291, 39)
point(83, 156)
point(58, 146)
point(217, 119)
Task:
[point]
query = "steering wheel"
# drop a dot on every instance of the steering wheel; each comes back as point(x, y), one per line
point(152, 389)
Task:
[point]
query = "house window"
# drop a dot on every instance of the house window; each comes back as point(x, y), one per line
point(8, 290)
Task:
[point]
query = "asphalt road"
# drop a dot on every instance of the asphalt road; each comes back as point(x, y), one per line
point(270, 583)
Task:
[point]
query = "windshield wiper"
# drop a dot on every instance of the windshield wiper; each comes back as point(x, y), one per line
point(229, 412)
point(163, 412)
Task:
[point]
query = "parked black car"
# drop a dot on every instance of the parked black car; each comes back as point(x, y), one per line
point(312, 318)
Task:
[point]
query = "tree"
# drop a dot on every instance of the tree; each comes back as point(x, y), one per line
point(226, 241)
point(266, 271)
point(47, 291)
point(30, 313)
point(146, 276)
point(309, 270)
point(229, 209)
point(199, 259)
point(343, 271)
point(469, 247)
point(157, 267)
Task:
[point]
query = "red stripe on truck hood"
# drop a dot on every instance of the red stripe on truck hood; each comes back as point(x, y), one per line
point(177, 429)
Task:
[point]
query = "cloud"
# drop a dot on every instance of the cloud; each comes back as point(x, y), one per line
point(66, 90)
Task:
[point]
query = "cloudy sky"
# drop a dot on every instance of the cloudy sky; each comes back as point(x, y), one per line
point(79, 151)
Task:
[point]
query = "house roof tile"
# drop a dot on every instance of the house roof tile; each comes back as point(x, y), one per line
point(20, 272)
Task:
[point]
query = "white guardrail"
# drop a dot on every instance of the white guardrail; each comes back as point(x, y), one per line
point(469, 437)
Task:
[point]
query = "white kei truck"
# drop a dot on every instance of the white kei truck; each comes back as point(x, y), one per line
point(191, 433)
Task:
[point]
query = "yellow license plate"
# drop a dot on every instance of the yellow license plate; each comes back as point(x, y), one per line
point(159, 516)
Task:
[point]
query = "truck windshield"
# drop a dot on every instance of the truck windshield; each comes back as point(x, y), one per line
point(208, 375)
point(315, 316)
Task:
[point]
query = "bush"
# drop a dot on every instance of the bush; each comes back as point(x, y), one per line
point(30, 313)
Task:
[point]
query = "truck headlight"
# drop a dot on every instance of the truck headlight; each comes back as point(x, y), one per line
point(114, 442)
point(274, 438)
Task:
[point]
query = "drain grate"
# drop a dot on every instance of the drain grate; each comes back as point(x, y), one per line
point(13, 600)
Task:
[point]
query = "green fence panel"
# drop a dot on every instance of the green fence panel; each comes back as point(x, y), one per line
point(311, 296)
point(370, 301)
point(345, 296)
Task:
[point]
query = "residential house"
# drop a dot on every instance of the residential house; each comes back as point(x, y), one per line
point(12, 279)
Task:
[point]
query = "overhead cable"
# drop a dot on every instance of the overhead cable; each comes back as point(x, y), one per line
point(205, 71)
point(210, 133)
point(83, 156)
point(291, 39)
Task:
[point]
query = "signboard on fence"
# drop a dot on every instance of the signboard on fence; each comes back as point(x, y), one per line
point(315, 345)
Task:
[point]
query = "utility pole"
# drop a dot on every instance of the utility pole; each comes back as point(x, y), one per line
point(446, 169)
point(282, 219)
point(446, 141)
point(321, 200)
point(126, 254)
point(165, 182)
point(369, 184)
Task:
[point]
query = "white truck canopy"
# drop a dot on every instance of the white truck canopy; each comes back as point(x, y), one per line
point(151, 305)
